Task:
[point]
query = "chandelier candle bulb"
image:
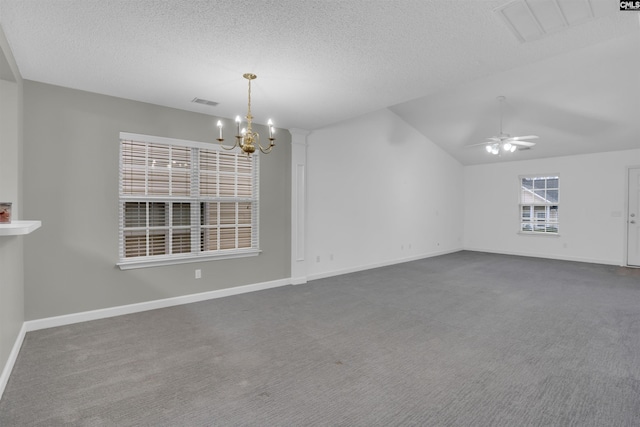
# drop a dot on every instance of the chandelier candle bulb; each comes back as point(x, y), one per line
point(220, 130)
point(238, 121)
point(270, 124)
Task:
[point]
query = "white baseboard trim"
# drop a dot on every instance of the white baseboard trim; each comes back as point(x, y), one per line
point(554, 256)
point(299, 280)
point(68, 319)
point(13, 356)
point(332, 273)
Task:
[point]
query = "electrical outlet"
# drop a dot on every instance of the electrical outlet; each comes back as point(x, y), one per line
point(198, 273)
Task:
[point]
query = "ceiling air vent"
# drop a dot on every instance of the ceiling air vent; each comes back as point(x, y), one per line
point(204, 102)
point(533, 19)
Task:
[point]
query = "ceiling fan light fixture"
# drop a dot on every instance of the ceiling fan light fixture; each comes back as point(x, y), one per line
point(504, 142)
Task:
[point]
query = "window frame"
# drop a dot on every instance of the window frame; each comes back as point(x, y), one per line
point(198, 224)
point(534, 213)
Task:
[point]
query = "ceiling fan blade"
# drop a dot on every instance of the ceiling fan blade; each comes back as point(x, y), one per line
point(494, 139)
point(523, 143)
point(520, 138)
point(478, 144)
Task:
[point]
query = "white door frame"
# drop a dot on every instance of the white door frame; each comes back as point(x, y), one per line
point(627, 211)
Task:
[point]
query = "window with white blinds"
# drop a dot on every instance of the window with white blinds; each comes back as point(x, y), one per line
point(182, 201)
point(539, 204)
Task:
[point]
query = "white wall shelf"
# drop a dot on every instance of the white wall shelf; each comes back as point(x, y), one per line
point(17, 228)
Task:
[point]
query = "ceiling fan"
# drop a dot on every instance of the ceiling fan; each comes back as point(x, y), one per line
point(505, 142)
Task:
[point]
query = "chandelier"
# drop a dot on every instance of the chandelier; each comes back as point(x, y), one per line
point(246, 138)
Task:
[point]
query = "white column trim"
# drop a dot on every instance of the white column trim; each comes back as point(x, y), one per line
point(298, 205)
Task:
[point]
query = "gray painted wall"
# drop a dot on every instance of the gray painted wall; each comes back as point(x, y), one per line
point(11, 253)
point(71, 184)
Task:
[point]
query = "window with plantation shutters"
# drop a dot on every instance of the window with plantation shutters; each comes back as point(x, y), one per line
point(539, 204)
point(183, 201)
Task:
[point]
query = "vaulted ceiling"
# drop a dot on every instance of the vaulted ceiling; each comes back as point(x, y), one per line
point(439, 65)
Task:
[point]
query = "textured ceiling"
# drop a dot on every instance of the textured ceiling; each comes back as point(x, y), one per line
point(318, 62)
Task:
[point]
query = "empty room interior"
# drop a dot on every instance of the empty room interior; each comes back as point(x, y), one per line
point(307, 212)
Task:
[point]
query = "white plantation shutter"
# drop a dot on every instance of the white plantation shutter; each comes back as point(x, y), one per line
point(182, 199)
point(228, 184)
point(155, 170)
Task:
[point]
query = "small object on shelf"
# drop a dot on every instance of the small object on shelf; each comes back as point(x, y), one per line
point(5, 212)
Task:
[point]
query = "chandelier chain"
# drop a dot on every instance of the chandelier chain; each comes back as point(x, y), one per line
point(249, 116)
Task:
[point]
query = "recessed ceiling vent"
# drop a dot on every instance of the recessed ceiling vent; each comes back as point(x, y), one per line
point(204, 102)
point(534, 19)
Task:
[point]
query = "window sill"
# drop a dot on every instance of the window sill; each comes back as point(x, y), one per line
point(536, 233)
point(160, 261)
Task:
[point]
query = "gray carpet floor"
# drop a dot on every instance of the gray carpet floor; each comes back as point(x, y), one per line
point(466, 339)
